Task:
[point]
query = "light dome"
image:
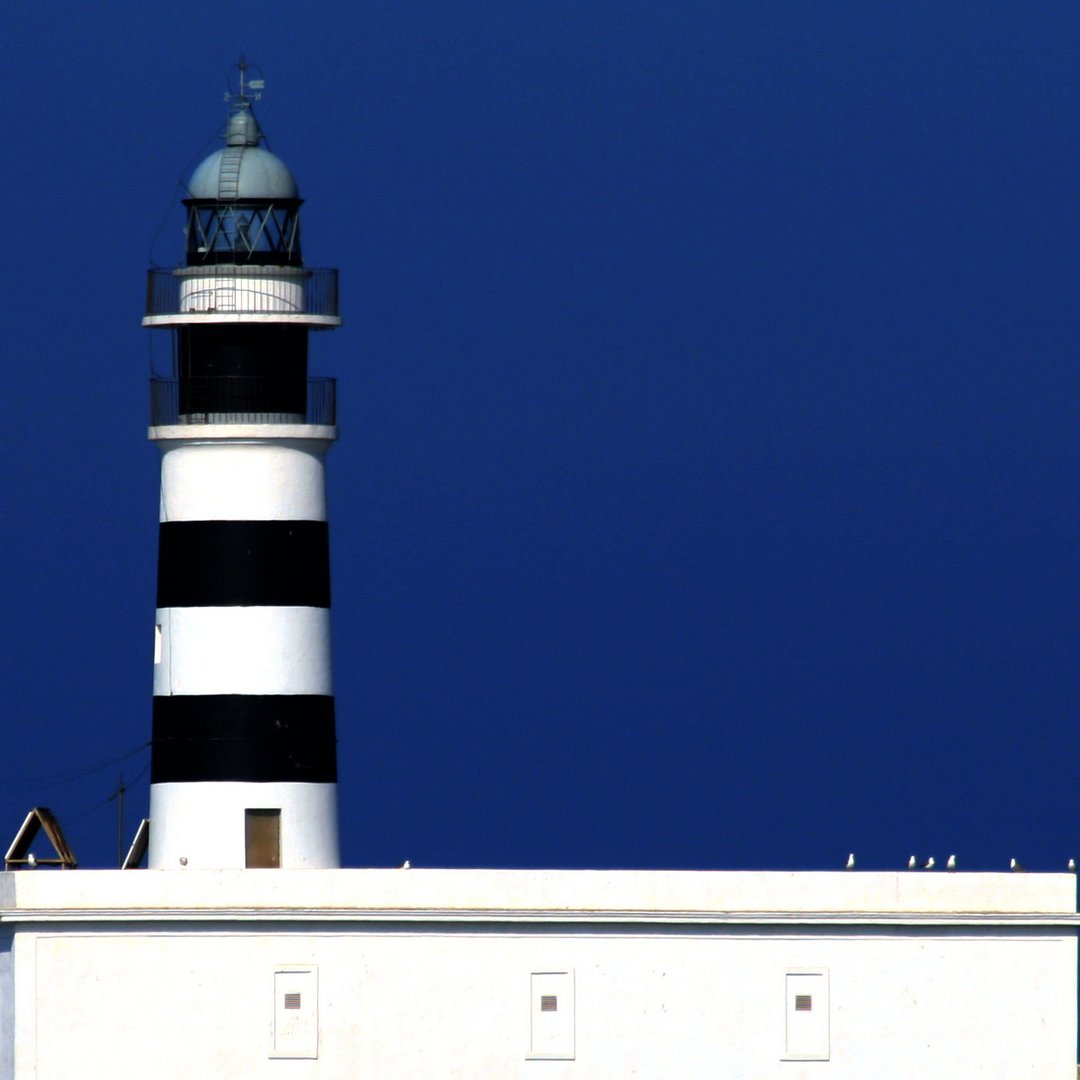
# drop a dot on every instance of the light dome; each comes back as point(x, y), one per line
point(261, 175)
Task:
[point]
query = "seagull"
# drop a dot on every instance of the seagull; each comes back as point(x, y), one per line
point(31, 861)
point(951, 863)
point(1015, 867)
point(913, 863)
point(406, 865)
point(929, 864)
point(1071, 867)
point(850, 865)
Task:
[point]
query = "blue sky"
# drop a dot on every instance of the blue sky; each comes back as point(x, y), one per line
point(709, 407)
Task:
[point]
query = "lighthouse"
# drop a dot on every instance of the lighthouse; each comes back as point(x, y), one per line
point(243, 758)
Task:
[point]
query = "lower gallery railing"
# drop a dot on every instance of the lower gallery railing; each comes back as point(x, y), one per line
point(242, 399)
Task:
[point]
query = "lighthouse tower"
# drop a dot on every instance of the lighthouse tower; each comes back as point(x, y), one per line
point(243, 761)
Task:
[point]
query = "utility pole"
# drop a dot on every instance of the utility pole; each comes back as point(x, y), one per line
point(118, 795)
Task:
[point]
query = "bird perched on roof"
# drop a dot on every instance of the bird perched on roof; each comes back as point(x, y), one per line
point(850, 864)
point(950, 863)
point(1071, 866)
point(930, 863)
point(406, 865)
point(913, 863)
point(1015, 867)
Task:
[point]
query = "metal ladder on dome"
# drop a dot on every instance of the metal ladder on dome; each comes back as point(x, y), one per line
point(229, 173)
point(228, 192)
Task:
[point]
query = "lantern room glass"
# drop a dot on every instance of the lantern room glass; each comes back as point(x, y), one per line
point(259, 232)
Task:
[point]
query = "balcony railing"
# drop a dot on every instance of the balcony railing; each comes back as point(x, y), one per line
point(243, 290)
point(242, 399)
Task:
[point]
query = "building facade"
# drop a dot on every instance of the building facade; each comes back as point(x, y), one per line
point(496, 974)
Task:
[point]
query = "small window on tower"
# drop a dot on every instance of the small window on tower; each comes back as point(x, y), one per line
point(262, 839)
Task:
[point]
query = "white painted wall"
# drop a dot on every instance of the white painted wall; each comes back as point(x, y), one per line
point(676, 976)
point(243, 650)
point(669, 896)
point(7, 1005)
point(432, 1001)
point(203, 823)
point(241, 478)
point(263, 289)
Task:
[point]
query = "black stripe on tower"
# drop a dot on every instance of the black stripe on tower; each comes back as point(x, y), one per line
point(244, 737)
point(243, 564)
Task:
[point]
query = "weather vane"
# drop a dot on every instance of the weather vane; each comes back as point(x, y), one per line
point(248, 89)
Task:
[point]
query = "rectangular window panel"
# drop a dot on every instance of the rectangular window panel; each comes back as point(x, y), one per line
point(806, 1028)
point(262, 839)
point(296, 1013)
point(551, 1015)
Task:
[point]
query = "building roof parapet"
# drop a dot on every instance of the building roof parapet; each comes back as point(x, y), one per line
point(765, 898)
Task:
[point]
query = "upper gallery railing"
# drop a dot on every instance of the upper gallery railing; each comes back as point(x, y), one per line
point(243, 290)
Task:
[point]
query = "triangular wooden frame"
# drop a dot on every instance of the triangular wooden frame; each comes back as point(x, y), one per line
point(18, 854)
point(137, 851)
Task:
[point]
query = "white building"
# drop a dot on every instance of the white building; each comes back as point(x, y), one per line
point(556, 974)
point(244, 952)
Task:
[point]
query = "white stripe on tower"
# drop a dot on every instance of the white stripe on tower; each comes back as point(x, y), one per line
point(243, 766)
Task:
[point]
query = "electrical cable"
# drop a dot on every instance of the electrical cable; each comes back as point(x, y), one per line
point(51, 780)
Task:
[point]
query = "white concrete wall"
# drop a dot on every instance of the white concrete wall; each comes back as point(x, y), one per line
point(218, 474)
point(203, 823)
point(622, 895)
point(7, 1007)
point(242, 650)
point(441, 973)
point(263, 291)
point(432, 1001)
